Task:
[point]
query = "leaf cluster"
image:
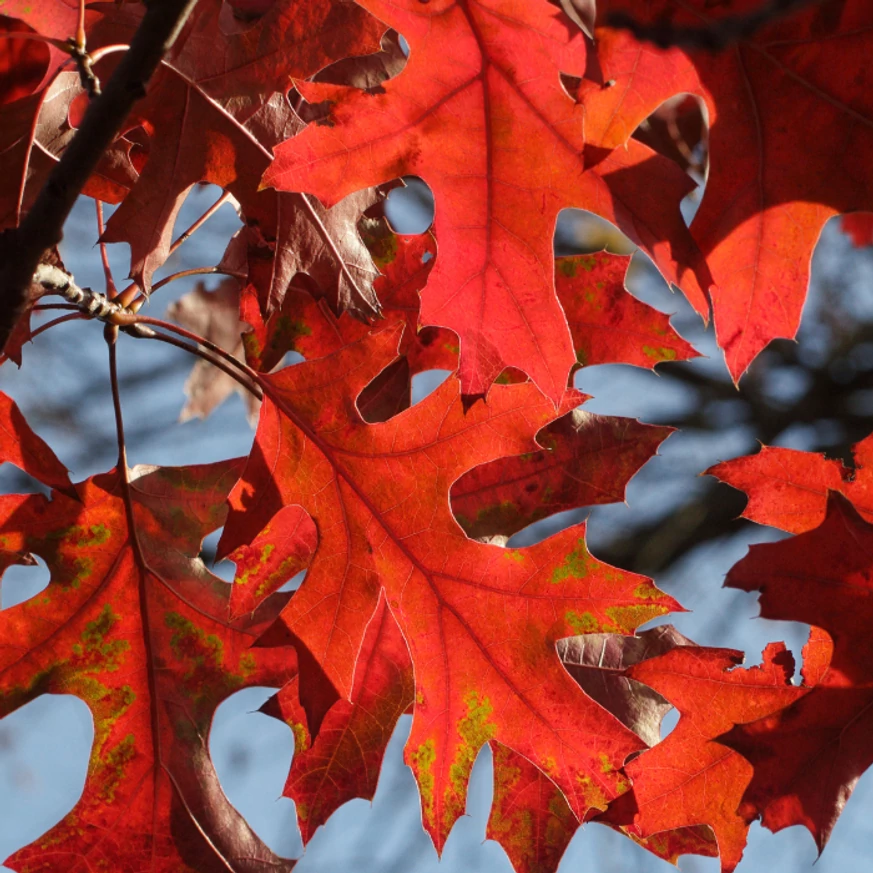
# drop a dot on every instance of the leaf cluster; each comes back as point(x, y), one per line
point(306, 115)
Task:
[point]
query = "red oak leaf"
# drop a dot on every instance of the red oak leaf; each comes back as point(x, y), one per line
point(134, 624)
point(480, 621)
point(608, 325)
point(809, 757)
point(587, 460)
point(306, 326)
point(688, 779)
point(530, 818)
point(344, 760)
point(233, 58)
point(193, 139)
point(54, 19)
point(309, 326)
point(501, 144)
point(789, 489)
point(19, 445)
point(599, 663)
point(22, 62)
point(33, 130)
point(281, 550)
point(783, 112)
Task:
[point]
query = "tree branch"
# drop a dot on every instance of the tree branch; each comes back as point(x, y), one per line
point(22, 248)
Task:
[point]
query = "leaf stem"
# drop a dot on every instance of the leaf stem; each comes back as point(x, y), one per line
point(111, 335)
point(111, 290)
point(195, 349)
point(207, 345)
point(72, 316)
point(133, 290)
point(196, 271)
point(80, 27)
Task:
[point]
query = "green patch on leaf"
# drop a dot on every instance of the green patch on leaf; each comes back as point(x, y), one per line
point(582, 623)
point(577, 565)
point(659, 354)
point(629, 618)
point(422, 760)
point(475, 730)
point(113, 767)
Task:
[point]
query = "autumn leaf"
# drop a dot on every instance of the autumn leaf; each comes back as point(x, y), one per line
point(607, 324)
point(783, 113)
point(231, 58)
point(809, 757)
point(378, 497)
point(599, 663)
point(530, 816)
point(134, 624)
point(33, 130)
point(19, 445)
point(304, 325)
point(213, 315)
point(344, 760)
point(477, 133)
point(22, 62)
point(55, 19)
point(688, 779)
point(789, 489)
point(588, 459)
point(192, 139)
point(280, 551)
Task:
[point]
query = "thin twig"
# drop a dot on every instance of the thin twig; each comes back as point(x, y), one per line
point(132, 296)
point(80, 26)
point(197, 271)
point(111, 290)
point(253, 388)
point(21, 249)
point(72, 316)
point(202, 341)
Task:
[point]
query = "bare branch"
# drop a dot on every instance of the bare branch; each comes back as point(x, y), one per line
point(22, 248)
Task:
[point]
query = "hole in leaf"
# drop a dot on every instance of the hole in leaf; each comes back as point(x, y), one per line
point(388, 394)
point(44, 751)
point(427, 382)
point(669, 722)
point(545, 527)
point(251, 753)
point(21, 582)
point(223, 569)
point(677, 129)
point(294, 582)
point(579, 232)
point(571, 84)
point(410, 209)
